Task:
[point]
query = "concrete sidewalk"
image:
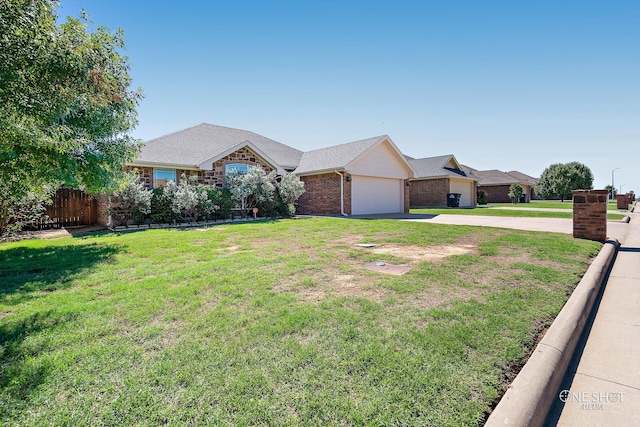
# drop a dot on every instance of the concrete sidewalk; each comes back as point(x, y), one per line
point(602, 385)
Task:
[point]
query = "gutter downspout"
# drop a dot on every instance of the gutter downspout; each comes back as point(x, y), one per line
point(341, 193)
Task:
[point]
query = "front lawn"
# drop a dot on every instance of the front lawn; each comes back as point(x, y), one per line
point(275, 323)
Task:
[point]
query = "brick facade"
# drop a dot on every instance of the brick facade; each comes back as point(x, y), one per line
point(214, 176)
point(500, 193)
point(322, 195)
point(590, 214)
point(428, 192)
point(497, 193)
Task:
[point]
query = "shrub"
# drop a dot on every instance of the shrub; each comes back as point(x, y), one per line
point(161, 212)
point(18, 212)
point(482, 197)
point(224, 200)
point(275, 208)
point(189, 199)
point(132, 201)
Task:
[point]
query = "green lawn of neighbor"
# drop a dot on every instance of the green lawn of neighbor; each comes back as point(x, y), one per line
point(275, 323)
point(554, 204)
point(517, 211)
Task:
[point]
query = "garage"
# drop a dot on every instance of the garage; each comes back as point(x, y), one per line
point(465, 188)
point(373, 195)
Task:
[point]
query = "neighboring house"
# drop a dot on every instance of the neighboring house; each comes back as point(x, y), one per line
point(497, 183)
point(436, 177)
point(362, 177)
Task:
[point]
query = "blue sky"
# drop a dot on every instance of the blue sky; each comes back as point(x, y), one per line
point(509, 85)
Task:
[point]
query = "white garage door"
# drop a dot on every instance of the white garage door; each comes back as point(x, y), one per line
point(465, 188)
point(376, 195)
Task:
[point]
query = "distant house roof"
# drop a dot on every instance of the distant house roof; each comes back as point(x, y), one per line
point(438, 167)
point(523, 177)
point(339, 156)
point(203, 143)
point(496, 177)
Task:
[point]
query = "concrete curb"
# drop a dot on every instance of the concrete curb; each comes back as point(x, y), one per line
point(528, 399)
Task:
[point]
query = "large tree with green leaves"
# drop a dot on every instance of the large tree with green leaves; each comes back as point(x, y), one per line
point(66, 109)
point(560, 179)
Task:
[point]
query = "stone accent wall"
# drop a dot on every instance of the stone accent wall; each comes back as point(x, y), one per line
point(624, 200)
point(590, 214)
point(190, 172)
point(497, 193)
point(429, 192)
point(322, 195)
point(216, 175)
point(146, 174)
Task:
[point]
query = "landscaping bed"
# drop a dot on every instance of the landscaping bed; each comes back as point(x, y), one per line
point(275, 322)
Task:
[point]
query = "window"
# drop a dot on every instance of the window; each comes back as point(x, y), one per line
point(162, 176)
point(238, 167)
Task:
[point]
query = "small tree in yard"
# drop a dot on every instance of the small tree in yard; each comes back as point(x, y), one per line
point(251, 188)
point(290, 188)
point(130, 202)
point(482, 197)
point(559, 180)
point(66, 109)
point(515, 192)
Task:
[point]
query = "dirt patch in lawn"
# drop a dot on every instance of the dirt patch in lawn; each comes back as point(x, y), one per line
point(421, 253)
point(342, 285)
point(334, 281)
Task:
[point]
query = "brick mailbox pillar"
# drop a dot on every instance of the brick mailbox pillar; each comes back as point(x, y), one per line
point(590, 214)
point(623, 201)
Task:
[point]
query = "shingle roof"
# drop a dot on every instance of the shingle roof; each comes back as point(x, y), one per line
point(523, 177)
point(496, 177)
point(194, 145)
point(336, 157)
point(431, 167)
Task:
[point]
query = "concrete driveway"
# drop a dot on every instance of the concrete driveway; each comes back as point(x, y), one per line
point(615, 229)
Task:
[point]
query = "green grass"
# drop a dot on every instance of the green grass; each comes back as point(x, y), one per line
point(274, 323)
point(552, 204)
point(515, 212)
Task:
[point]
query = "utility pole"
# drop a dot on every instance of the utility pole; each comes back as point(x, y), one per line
point(612, 186)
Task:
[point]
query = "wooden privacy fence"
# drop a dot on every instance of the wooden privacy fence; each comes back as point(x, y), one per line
point(71, 208)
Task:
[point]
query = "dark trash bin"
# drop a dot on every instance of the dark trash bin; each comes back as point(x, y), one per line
point(523, 198)
point(453, 200)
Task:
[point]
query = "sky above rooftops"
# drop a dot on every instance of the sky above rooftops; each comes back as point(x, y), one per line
point(500, 84)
